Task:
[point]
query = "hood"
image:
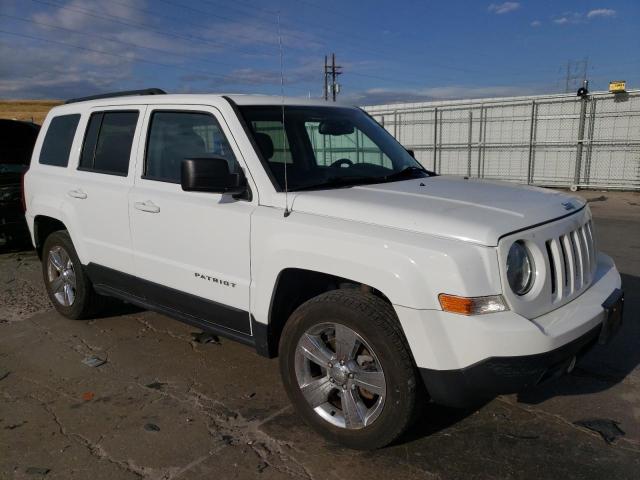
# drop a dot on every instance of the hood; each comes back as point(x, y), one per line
point(476, 211)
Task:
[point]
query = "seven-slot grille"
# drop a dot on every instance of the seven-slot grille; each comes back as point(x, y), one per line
point(572, 260)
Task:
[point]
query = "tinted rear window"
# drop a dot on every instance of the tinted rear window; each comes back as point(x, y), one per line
point(107, 142)
point(57, 142)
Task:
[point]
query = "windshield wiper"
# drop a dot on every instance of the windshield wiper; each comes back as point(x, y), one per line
point(334, 182)
point(407, 173)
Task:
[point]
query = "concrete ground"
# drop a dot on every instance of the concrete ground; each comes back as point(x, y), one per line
point(164, 406)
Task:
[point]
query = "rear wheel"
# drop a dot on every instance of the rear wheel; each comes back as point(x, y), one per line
point(347, 369)
point(68, 286)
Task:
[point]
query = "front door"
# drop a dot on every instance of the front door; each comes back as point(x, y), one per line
point(191, 249)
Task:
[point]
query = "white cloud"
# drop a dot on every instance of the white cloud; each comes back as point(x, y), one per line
point(536, 23)
point(601, 12)
point(573, 18)
point(570, 18)
point(506, 7)
point(89, 54)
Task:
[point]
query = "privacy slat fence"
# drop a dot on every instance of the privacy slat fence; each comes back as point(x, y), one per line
point(561, 140)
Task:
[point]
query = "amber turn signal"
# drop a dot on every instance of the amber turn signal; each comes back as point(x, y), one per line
point(471, 305)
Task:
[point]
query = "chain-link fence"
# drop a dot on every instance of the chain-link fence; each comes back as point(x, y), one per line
point(564, 141)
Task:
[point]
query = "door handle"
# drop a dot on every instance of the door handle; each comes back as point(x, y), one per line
point(147, 206)
point(77, 194)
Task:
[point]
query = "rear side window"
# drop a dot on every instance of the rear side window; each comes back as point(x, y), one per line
point(107, 142)
point(58, 139)
point(174, 136)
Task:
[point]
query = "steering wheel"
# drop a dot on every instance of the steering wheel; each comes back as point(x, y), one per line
point(343, 162)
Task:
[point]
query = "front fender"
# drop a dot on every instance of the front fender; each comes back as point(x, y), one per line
point(409, 268)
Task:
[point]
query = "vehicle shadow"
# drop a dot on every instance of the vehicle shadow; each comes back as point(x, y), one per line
point(112, 308)
point(605, 365)
point(432, 419)
point(116, 308)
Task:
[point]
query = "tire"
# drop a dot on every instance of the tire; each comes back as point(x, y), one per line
point(61, 265)
point(380, 339)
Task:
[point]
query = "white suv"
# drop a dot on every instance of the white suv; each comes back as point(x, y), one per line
point(307, 231)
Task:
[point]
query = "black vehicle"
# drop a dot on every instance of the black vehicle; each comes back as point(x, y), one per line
point(17, 139)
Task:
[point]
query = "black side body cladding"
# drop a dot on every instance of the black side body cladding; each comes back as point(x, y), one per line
point(206, 314)
point(263, 339)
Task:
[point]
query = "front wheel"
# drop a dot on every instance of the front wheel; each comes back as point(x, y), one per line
point(347, 369)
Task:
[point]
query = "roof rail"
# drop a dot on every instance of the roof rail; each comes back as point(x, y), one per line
point(126, 93)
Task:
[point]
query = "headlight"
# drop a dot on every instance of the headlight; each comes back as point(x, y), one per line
point(520, 271)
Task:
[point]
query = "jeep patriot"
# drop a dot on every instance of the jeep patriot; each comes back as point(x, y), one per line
point(308, 232)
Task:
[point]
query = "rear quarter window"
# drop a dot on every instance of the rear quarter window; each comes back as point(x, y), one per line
point(58, 139)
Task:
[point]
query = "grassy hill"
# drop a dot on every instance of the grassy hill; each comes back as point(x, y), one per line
point(31, 110)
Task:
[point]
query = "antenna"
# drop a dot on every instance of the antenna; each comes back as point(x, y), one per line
point(287, 212)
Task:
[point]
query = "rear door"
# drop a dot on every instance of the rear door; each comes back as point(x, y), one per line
point(191, 248)
point(98, 195)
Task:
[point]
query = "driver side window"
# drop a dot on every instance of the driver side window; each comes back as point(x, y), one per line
point(356, 147)
point(174, 136)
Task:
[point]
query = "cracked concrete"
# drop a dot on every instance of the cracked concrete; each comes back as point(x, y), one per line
point(221, 411)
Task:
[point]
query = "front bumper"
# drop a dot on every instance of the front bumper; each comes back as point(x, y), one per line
point(465, 360)
point(485, 380)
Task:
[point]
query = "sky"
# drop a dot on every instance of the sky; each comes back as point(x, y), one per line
point(390, 51)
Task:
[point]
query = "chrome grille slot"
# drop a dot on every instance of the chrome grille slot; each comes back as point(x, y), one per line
point(572, 259)
point(552, 268)
point(588, 251)
point(592, 244)
point(569, 256)
point(577, 247)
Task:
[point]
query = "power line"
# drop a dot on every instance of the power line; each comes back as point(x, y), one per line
point(135, 60)
point(121, 21)
point(171, 17)
point(193, 40)
point(207, 73)
point(110, 39)
point(350, 44)
point(289, 34)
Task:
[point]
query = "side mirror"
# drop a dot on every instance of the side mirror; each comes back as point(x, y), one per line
point(211, 175)
point(411, 152)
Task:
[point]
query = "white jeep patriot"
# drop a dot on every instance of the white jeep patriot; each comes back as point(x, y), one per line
point(307, 231)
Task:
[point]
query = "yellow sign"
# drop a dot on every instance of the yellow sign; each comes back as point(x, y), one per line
point(617, 86)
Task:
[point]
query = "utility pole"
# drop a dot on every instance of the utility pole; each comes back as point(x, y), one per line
point(576, 74)
point(332, 70)
point(326, 86)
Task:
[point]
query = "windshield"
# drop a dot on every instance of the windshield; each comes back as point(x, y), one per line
point(327, 147)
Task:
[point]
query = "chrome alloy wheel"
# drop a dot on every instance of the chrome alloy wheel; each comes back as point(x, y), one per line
point(340, 376)
point(61, 276)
